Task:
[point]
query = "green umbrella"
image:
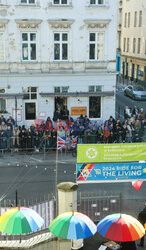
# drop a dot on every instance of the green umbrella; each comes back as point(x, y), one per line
point(20, 220)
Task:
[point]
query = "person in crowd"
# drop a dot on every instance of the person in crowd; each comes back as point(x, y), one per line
point(111, 129)
point(23, 138)
point(57, 114)
point(124, 132)
point(127, 112)
point(133, 119)
point(135, 111)
point(100, 133)
point(106, 132)
point(130, 131)
point(142, 220)
point(53, 138)
point(141, 114)
point(47, 138)
point(3, 126)
point(2, 119)
point(3, 139)
point(141, 132)
point(48, 124)
point(32, 128)
point(29, 139)
point(37, 140)
point(86, 122)
point(61, 132)
point(69, 120)
point(9, 133)
point(16, 132)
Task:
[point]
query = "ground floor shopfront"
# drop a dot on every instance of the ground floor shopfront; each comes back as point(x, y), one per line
point(30, 97)
point(133, 68)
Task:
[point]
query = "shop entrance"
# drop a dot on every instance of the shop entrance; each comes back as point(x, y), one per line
point(61, 103)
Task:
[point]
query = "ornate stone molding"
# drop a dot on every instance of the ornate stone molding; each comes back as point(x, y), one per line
point(98, 23)
point(61, 23)
point(28, 23)
point(3, 23)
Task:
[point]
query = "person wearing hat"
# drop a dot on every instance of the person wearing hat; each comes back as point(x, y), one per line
point(142, 220)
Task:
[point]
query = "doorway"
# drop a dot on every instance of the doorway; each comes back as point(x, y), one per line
point(60, 102)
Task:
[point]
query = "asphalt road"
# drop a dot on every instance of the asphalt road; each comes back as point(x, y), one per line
point(35, 177)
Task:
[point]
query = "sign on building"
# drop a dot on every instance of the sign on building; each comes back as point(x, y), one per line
point(95, 153)
point(110, 172)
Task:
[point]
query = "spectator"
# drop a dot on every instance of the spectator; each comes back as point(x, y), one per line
point(48, 125)
point(141, 115)
point(3, 140)
point(127, 113)
point(9, 133)
point(23, 138)
point(57, 114)
point(16, 132)
point(130, 130)
point(135, 111)
point(2, 119)
point(3, 126)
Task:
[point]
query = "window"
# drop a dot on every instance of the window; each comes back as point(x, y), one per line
point(2, 105)
point(59, 2)
point(129, 19)
point(94, 88)
point(124, 45)
point(60, 46)
point(2, 46)
point(139, 45)
point(94, 107)
point(125, 23)
point(30, 93)
point(30, 111)
point(63, 89)
point(135, 18)
point(28, 1)
point(134, 45)
point(140, 18)
point(127, 44)
point(96, 41)
point(97, 2)
point(29, 46)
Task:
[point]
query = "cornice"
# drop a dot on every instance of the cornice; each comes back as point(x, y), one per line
point(97, 23)
point(60, 23)
point(28, 23)
point(3, 22)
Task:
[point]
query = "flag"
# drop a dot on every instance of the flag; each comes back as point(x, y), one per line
point(137, 184)
point(74, 142)
point(61, 143)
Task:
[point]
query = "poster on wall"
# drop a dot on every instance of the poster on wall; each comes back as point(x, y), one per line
point(17, 113)
point(110, 172)
point(94, 153)
point(79, 111)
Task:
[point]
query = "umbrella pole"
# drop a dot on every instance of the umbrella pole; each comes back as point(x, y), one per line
point(20, 239)
point(57, 174)
point(16, 198)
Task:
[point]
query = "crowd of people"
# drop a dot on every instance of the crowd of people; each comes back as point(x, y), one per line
point(44, 134)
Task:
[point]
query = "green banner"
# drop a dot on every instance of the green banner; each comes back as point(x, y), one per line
point(89, 153)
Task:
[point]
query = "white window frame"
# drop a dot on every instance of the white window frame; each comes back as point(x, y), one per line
point(96, 42)
point(97, 2)
point(29, 42)
point(61, 42)
point(60, 3)
point(2, 43)
point(28, 2)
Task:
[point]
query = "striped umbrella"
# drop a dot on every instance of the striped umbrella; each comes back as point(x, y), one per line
point(73, 225)
point(120, 227)
point(20, 220)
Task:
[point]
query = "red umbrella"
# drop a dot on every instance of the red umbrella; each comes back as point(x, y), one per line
point(137, 184)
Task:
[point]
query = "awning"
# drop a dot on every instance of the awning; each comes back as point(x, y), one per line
point(11, 96)
point(78, 94)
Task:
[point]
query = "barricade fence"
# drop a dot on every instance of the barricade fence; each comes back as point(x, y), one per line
point(69, 143)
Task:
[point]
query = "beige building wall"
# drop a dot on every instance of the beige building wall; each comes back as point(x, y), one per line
point(133, 39)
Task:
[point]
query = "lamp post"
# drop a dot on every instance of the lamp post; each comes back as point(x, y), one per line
point(16, 109)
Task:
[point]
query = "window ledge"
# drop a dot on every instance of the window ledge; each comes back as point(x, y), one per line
point(28, 6)
point(98, 6)
point(4, 6)
point(68, 6)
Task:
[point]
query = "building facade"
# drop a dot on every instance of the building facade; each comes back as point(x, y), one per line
point(57, 53)
point(133, 40)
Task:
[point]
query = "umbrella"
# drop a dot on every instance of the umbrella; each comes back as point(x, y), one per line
point(20, 220)
point(73, 225)
point(137, 184)
point(120, 227)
